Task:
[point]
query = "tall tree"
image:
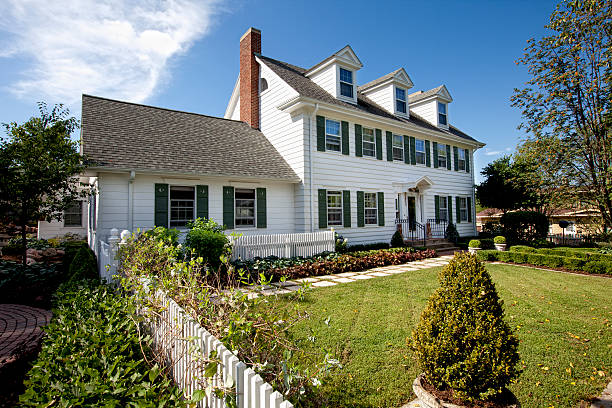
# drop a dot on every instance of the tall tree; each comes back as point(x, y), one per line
point(501, 187)
point(566, 104)
point(39, 169)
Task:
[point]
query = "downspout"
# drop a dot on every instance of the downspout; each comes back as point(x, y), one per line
point(473, 209)
point(313, 117)
point(130, 225)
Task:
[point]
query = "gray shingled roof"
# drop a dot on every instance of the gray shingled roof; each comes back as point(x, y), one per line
point(379, 80)
point(123, 135)
point(294, 77)
point(417, 96)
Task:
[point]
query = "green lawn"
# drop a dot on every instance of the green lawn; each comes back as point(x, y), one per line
point(562, 320)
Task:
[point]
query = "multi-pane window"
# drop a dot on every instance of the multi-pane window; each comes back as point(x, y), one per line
point(369, 142)
point(463, 210)
point(334, 208)
point(332, 135)
point(73, 215)
point(182, 205)
point(443, 213)
point(442, 114)
point(346, 83)
point(244, 207)
point(442, 155)
point(398, 147)
point(371, 212)
point(461, 161)
point(419, 148)
point(400, 100)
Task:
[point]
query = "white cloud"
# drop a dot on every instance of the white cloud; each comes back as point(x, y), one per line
point(488, 152)
point(113, 48)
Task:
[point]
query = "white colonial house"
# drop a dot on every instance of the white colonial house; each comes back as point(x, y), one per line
point(299, 150)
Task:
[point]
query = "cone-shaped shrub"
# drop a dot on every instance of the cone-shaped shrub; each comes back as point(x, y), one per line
point(462, 341)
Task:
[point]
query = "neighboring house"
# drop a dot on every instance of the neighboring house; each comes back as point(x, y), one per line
point(74, 222)
point(299, 150)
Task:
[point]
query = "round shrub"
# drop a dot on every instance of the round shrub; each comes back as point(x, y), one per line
point(397, 241)
point(474, 243)
point(499, 239)
point(210, 245)
point(462, 341)
point(524, 226)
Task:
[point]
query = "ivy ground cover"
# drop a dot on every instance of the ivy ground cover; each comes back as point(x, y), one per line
point(563, 322)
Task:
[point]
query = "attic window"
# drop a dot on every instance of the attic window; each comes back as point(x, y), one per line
point(346, 83)
point(263, 84)
point(442, 120)
point(400, 100)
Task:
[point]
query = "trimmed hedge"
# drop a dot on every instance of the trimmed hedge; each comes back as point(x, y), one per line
point(92, 356)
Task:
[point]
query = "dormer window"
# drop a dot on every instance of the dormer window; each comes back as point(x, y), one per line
point(400, 100)
point(346, 83)
point(442, 120)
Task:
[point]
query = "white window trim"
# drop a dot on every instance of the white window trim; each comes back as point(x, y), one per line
point(246, 227)
point(338, 92)
point(339, 136)
point(393, 148)
point(445, 198)
point(195, 203)
point(362, 143)
point(365, 218)
point(395, 99)
point(459, 160)
point(341, 207)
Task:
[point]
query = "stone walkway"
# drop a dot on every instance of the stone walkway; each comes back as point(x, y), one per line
point(20, 330)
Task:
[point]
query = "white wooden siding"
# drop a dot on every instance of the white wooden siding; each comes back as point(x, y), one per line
point(427, 110)
point(384, 97)
point(55, 228)
point(327, 79)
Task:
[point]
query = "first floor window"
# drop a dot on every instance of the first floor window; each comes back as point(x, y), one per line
point(443, 208)
point(398, 147)
point(419, 148)
point(369, 142)
point(182, 205)
point(73, 215)
point(461, 163)
point(245, 207)
point(371, 212)
point(346, 83)
point(332, 135)
point(442, 155)
point(334, 208)
point(442, 118)
point(463, 210)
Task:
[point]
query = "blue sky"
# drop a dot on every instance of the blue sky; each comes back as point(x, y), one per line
point(183, 54)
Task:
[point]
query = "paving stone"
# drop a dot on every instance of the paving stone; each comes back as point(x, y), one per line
point(379, 274)
point(329, 277)
point(346, 274)
point(21, 330)
point(344, 280)
point(396, 271)
point(605, 399)
point(285, 284)
point(363, 277)
point(270, 292)
point(307, 280)
point(323, 284)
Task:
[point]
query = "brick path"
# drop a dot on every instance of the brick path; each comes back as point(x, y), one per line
point(20, 330)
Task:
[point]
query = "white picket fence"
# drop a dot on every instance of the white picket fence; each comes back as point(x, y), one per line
point(282, 245)
point(187, 346)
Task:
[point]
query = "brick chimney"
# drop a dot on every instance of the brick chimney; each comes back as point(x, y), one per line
point(250, 43)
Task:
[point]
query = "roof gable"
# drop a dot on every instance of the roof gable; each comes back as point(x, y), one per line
point(438, 92)
point(345, 56)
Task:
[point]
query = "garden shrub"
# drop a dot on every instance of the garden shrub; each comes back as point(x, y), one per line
point(499, 239)
point(573, 263)
point(397, 241)
point(341, 243)
point(83, 265)
point(451, 233)
point(536, 259)
point(91, 355)
point(488, 255)
point(524, 226)
point(553, 261)
point(522, 248)
point(599, 267)
point(487, 243)
point(462, 341)
point(519, 257)
point(70, 250)
point(168, 235)
point(29, 284)
point(474, 243)
point(207, 240)
point(505, 256)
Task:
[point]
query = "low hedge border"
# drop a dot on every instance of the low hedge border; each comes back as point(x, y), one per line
point(572, 263)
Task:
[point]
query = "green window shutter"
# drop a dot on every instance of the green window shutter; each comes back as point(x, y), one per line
point(449, 203)
point(469, 208)
point(448, 157)
point(345, 137)
point(360, 209)
point(358, 141)
point(262, 217)
point(458, 208)
point(412, 150)
point(379, 144)
point(427, 154)
point(322, 208)
point(435, 154)
point(406, 150)
point(456, 154)
point(320, 133)
point(381, 209)
point(202, 201)
point(467, 160)
point(346, 208)
point(228, 207)
point(161, 205)
point(389, 146)
point(437, 206)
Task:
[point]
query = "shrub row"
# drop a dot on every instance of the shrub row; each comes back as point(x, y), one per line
point(92, 356)
point(550, 260)
point(589, 256)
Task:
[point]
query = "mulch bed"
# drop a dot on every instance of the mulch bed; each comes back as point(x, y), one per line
point(548, 268)
point(502, 400)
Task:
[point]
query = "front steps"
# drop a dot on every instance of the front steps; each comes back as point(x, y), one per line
point(442, 246)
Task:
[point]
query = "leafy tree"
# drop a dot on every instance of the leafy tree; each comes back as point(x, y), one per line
point(566, 104)
point(502, 188)
point(39, 168)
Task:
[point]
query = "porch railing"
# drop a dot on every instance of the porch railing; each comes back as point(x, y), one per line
point(436, 228)
point(411, 231)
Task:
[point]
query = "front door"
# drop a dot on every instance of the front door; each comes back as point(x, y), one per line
point(412, 211)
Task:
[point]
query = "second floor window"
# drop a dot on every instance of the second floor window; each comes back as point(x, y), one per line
point(442, 119)
point(461, 159)
point(332, 135)
point(400, 100)
point(368, 142)
point(463, 211)
point(346, 83)
point(371, 212)
point(442, 155)
point(398, 147)
point(443, 208)
point(334, 208)
point(182, 205)
point(419, 148)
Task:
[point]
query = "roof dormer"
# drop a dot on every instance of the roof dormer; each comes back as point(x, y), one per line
point(390, 92)
point(432, 105)
point(337, 74)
